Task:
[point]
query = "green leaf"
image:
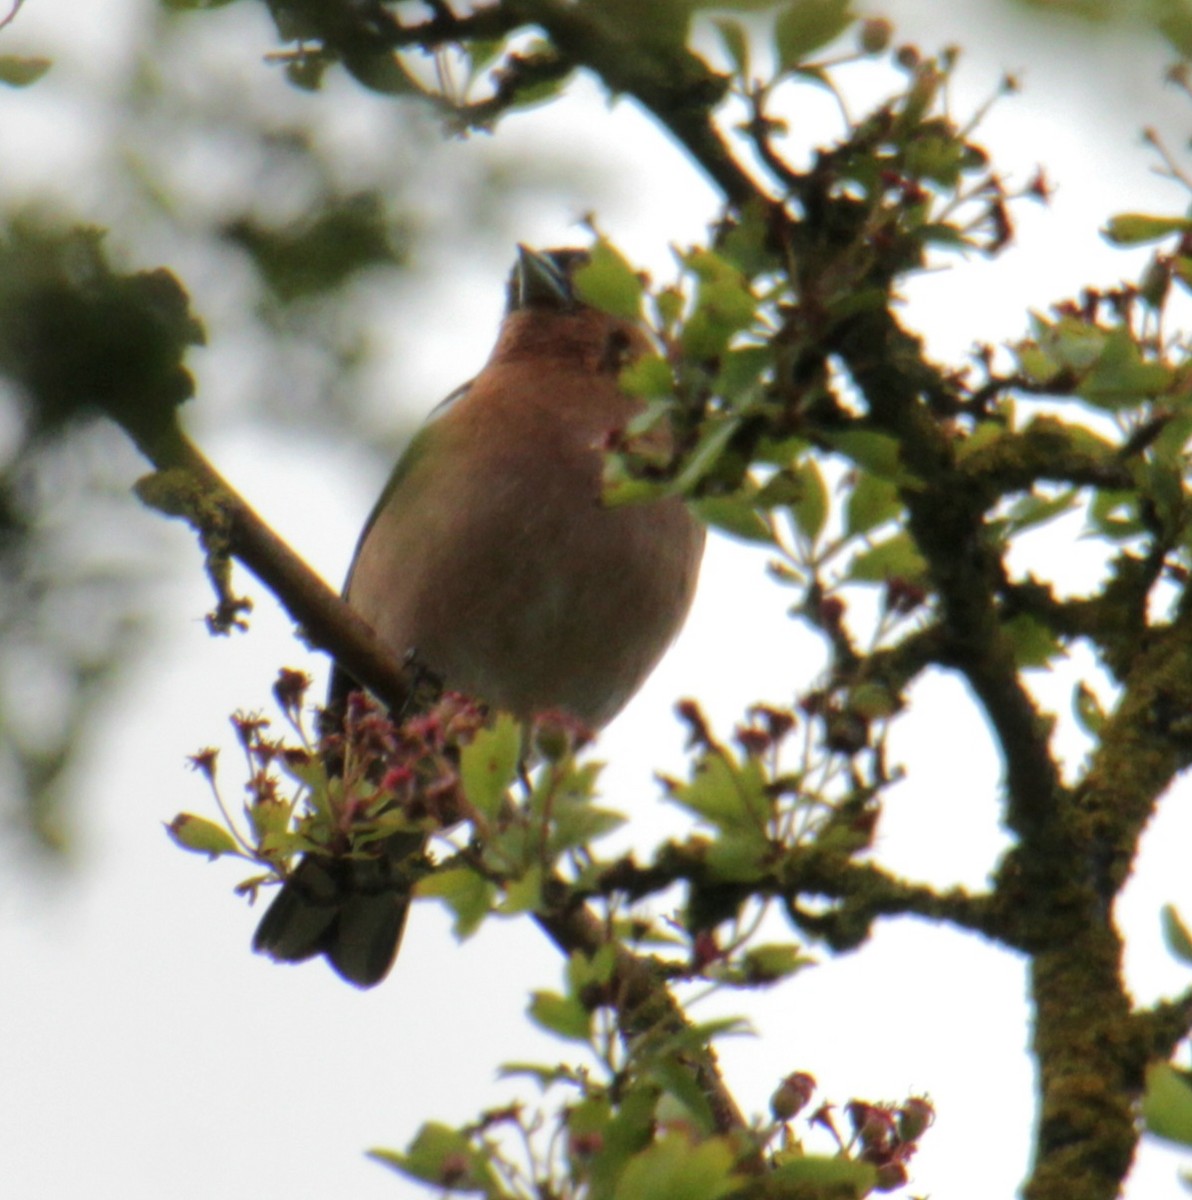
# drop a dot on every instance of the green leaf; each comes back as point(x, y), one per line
point(770, 963)
point(733, 515)
point(738, 856)
point(1070, 341)
point(561, 1015)
point(747, 243)
point(810, 510)
point(729, 794)
point(307, 70)
point(609, 283)
point(682, 1099)
point(984, 434)
point(1030, 510)
point(735, 41)
point(942, 160)
point(381, 71)
point(841, 1178)
point(584, 970)
point(1174, 22)
point(482, 53)
point(1035, 363)
point(488, 764)
point(878, 453)
point(1033, 643)
point(1121, 375)
point(712, 444)
point(896, 558)
point(724, 305)
point(469, 896)
point(1134, 229)
point(872, 502)
point(806, 25)
point(1167, 1103)
point(19, 71)
point(524, 894)
point(442, 1156)
point(674, 1169)
point(628, 1132)
point(542, 1074)
point(873, 701)
point(740, 378)
point(270, 820)
point(1090, 716)
point(530, 95)
point(649, 377)
point(576, 824)
point(201, 836)
point(1176, 935)
point(1104, 510)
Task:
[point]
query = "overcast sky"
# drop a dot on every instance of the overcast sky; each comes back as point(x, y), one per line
point(146, 1052)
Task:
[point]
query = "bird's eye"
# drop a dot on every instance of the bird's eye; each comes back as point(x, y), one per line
point(616, 350)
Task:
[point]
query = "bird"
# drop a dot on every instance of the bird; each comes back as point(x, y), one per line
point(492, 560)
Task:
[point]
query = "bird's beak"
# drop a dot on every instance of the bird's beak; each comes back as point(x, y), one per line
point(538, 282)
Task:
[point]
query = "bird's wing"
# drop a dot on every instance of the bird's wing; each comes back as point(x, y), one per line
point(341, 682)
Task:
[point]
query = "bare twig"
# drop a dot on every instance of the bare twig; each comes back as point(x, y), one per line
point(12, 13)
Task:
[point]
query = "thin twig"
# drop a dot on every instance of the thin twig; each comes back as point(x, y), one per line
point(12, 13)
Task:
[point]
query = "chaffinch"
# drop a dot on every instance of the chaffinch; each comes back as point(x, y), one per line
point(491, 559)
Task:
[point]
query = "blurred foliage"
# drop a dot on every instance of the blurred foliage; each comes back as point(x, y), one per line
point(291, 234)
point(783, 367)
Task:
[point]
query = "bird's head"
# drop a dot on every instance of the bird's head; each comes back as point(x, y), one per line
point(545, 279)
point(545, 317)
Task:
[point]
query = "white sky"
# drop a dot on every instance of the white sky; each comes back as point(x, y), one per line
point(146, 1052)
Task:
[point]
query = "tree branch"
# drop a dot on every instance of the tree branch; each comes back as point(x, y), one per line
point(666, 78)
point(865, 891)
point(946, 518)
point(188, 486)
point(1163, 1027)
point(643, 1001)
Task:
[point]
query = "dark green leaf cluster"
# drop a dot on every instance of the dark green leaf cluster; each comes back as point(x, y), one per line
point(347, 236)
point(77, 337)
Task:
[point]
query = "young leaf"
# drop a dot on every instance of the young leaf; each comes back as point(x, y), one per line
point(872, 502)
point(442, 1156)
point(1090, 716)
point(201, 836)
point(1167, 1103)
point(1134, 229)
point(468, 895)
point(733, 515)
point(728, 794)
point(1176, 935)
point(609, 283)
point(675, 1169)
point(806, 25)
point(18, 71)
point(735, 41)
point(1033, 642)
point(896, 558)
point(488, 764)
point(562, 1015)
point(838, 1177)
point(810, 510)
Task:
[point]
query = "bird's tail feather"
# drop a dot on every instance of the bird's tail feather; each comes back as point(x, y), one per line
point(351, 910)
